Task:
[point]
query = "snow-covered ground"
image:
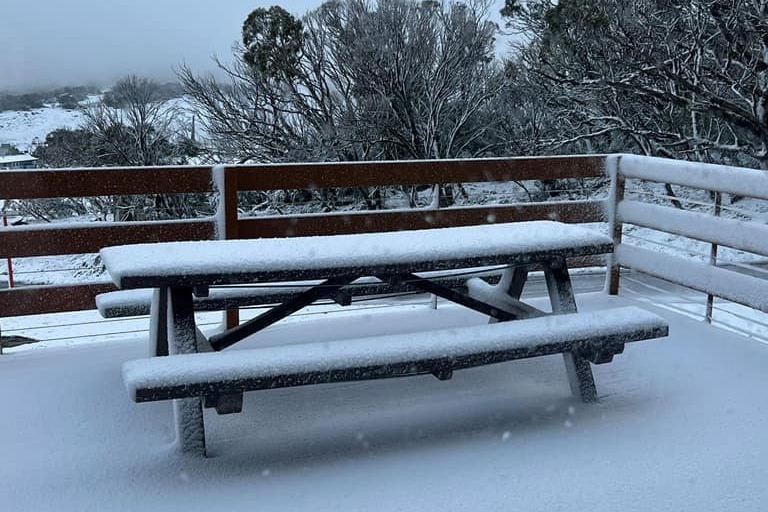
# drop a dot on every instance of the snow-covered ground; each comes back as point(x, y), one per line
point(680, 427)
point(25, 129)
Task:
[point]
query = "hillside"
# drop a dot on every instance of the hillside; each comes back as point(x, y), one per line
point(26, 119)
point(24, 129)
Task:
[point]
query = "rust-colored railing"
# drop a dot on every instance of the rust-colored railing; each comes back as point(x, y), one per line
point(379, 174)
point(227, 181)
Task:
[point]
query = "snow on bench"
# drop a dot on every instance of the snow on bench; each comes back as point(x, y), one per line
point(125, 303)
point(595, 336)
point(295, 259)
point(138, 302)
point(187, 269)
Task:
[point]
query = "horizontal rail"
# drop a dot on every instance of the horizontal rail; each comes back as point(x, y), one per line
point(726, 284)
point(37, 300)
point(55, 239)
point(737, 234)
point(414, 172)
point(30, 241)
point(366, 222)
point(732, 180)
point(108, 181)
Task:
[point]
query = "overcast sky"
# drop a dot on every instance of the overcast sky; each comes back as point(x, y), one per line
point(74, 42)
point(46, 43)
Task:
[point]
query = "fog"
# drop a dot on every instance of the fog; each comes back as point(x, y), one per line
point(46, 43)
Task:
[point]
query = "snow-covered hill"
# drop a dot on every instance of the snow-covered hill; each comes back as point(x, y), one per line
point(26, 128)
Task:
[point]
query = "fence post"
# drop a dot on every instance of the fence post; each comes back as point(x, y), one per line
point(225, 179)
point(435, 205)
point(9, 263)
point(615, 225)
point(713, 258)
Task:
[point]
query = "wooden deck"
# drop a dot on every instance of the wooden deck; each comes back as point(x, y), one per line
point(680, 426)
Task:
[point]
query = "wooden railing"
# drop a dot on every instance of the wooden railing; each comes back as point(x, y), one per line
point(376, 174)
point(704, 223)
point(227, 181)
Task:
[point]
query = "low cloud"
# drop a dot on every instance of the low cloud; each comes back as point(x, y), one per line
point(46, 43)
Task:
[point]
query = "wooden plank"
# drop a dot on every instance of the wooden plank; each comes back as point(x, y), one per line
point(737, 234)
point(399, 220)
point(182, 339)
point(228, 179)
point(562, 300)
point(559, 286)
point(739, 288)
point(229, 204)
point(34, 300)
point(510, 310)
point(505, 293)
point(394, 355)
point(158, 323)
point(28, 241)
point(323, 290)
point(615, 227)
point(732, 180)
point(152, 265)
point(126, 303)
point(415, 172)
point(107, 181)
point(275, 275)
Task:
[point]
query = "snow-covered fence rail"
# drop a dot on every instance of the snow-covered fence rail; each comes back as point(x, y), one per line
point(406, 173)
point(54, 239)
point(233, 180)
point(739, 232)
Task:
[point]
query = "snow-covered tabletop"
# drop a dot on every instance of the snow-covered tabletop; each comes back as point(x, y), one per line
point(277, 259)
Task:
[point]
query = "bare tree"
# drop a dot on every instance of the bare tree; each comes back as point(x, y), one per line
point(357, 80)
point(139, 127)
point(133, 125)
point(426, 72)
point(679, 79)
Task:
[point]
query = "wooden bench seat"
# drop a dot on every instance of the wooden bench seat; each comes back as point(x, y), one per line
point(594, 336)
point(126, 303)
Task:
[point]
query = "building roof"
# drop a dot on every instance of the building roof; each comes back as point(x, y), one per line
point(16, 158)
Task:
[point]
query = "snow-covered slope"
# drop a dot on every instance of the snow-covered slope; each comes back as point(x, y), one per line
point(24, 129)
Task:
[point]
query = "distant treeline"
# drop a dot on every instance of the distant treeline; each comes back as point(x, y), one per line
point(116, 97)
point(69, 97)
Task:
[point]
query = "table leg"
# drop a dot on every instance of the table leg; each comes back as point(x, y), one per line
point(158, 323)
point(512, 283)
point(182, 339)
point(562, 299)
point(480, 297)
point(513, 280)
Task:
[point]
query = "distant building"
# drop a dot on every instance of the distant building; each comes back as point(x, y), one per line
point(18, 162)
point(8, 149)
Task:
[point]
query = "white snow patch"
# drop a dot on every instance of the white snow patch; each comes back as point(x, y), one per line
point(679, 427)
point(344, 251)
point(382, 350)
point(25, 129)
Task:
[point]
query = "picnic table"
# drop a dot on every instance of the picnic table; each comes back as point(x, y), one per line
point(197, 374)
